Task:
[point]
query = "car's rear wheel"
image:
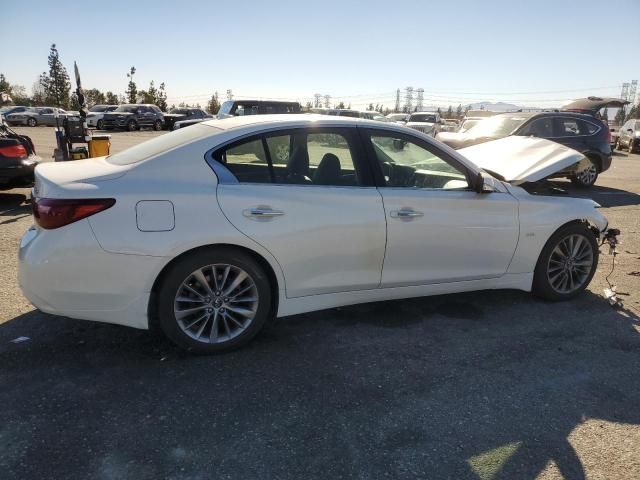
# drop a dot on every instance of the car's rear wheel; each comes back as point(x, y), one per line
point(587, 177)
point(631, 145)
point(214, 301)
point(132, 125)
point(567, 263)
point(100, 125)
point(32, 122)
point(157, 125)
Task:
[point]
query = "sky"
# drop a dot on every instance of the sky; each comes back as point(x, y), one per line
point(534, 53)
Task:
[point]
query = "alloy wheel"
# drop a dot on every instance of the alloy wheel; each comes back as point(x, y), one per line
point(588, 176)
point(216, 303)
point(570, 264)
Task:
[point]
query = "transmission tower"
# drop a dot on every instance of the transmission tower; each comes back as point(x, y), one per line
point(397, 109)
point(420, 99)
point(625, 91)
point(408, 105)
point(317, 101)
point(229, 95)
point(327, 99)
point(632, 91)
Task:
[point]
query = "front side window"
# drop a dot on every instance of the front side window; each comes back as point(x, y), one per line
point(541, 127)
point(409, 165)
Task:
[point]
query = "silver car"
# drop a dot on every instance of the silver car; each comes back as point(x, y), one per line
point(34, 116)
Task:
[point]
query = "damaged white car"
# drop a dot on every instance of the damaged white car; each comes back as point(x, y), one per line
point(208, 232)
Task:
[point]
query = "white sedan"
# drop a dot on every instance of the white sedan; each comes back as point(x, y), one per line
point(207, 233)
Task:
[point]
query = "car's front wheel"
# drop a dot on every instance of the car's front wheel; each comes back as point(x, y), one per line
point(100, 125)
point(132, 126)
point(567, 263)
point(32, 122)
point(214, 300)
point(157, 125)
point(587, 177)
point(631, 145)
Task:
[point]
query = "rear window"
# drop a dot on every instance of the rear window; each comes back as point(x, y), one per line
point(161, 144)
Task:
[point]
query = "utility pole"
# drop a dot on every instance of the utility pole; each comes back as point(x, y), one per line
point(625, 91)
point(397, 109)
point(420, 100)
point(229, 94)
point(632, 91)
point(408, 99)
point(327, 99)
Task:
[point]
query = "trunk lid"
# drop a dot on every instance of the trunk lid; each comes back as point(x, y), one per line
point(522, 159)
point(75, 179)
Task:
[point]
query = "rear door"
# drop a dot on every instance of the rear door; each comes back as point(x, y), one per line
point(307, 197)
point(438, 229)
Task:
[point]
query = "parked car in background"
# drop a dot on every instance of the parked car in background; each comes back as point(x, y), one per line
point(467, 123)
point(239, 108)
point(134, 117)
point(96, 114)
point(450, 125)
point(34, 116)
point(629, 136)
point(181, 114)
point(210, 252)
point(584, 133)
point(398, 117)
point(615, 131)
point(186, 123)
point(8, 110)
point(425, 122)
point(18, 159)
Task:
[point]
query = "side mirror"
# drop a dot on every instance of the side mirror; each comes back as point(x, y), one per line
point(479, 186)
point(630, 130)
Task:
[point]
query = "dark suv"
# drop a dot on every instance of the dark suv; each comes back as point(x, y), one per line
point(182, 114)
point(582, 132)
point(237, 108)
point(133, 117)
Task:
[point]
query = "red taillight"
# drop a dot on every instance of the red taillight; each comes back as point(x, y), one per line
point(54, 213)
point(14, 151)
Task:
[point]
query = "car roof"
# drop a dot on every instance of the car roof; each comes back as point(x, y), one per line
point(301, 119)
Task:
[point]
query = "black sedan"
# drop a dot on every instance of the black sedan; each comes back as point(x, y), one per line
point(179, 114)
point(17, 159)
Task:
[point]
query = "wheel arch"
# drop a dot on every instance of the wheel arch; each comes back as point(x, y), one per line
point(264, 263)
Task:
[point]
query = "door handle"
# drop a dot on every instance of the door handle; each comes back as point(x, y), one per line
point(406, 213)
point(262, 212)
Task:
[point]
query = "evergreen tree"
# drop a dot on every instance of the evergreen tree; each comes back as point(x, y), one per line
point(56, 84)
point(93, 96)
point(459, 111)
point(4, 85)
point(161, 100)
point(450, 112)
point(132, 89)
point(214, 104)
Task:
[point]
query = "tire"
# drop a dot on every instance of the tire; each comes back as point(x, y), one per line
point(631, 146)
point(586, 178)
point(100, 125)
point(132, 125)
point(32, 122)
point(157, 125)
point(234, 328)
point(550, 270)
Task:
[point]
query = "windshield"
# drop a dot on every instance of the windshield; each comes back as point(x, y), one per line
point(180, 111)
point(126, 108)
point(496, 126)
point(226, 107)
point(423, 117)
point(162, 144)
point(98, 108)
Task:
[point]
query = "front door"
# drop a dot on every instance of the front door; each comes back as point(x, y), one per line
point(438, 229)
point(305, 196)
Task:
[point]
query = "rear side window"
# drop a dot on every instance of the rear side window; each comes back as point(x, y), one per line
point(541, 127)
point(297, 157)
point(588, 128)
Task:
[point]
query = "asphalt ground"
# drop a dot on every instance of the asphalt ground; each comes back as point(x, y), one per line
point(489, 385)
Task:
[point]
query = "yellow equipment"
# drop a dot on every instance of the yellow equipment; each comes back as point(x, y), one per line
point(99, 145)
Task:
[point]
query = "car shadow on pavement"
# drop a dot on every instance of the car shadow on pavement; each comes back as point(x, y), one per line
point(15, 206)
point(477, 385)
point(605, 196)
